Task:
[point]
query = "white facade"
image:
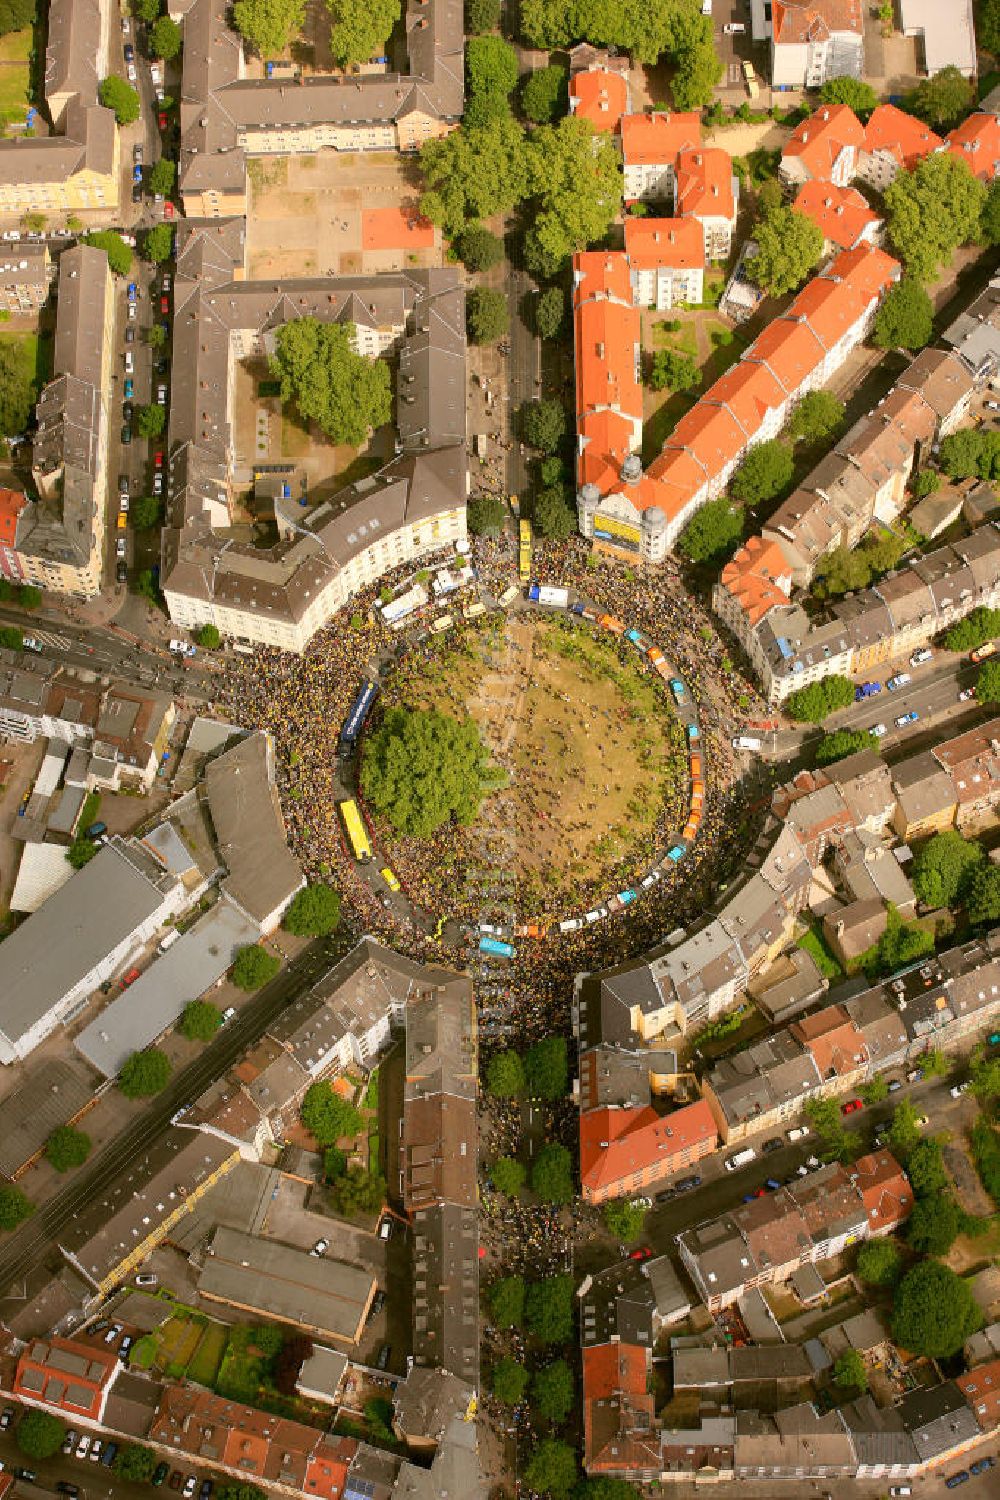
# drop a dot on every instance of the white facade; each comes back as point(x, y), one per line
point(664, 287)
point(649, 180)
point(808, 65)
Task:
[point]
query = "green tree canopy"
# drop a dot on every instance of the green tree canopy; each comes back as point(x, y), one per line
point(879, 1262)
point(510, 1381)
point(576, 178)
point(361, 28)
point(624, 1219)
point(327, 1115)
point(545, 94)
point(989, 219)
point(268, 24)
point(209, 638)
point(421, 769)
point(482, 16)
point(982, 901)
point(136, 1463)
point(28, 596)
point(552, 1174)
point(943, 867)
point(904, 1132)
point(243, 1491)
point(39, 1434)
point(934, 1311)
point(146, 512)
point(551, 1468)
point(548, 1309)
point(118, 253)
point(901, 943)
point(151, 420)
point(971, 451)
point(115, 94)
point(478, 248)
point(788, 247)
point(165, 38)
point(506, 1298)
point(853, 92)
point(550, 312)
point(931, 211)
point(490, 66)
point(474, 173)
point(334, 1163)
point(347, 395)
point(15, 15)
point(552, 1391)
point(507, 1176)
point(979, 626)
point(764, 473)
point(158, 243)
point(505, 1075)
point(552, 515)
point(849, 1373)
point(486, 316)
point(943, 100)
point(162, 174)
point(670, 369)
point(144, 1073)
point(546, 1068)
point(313, 912)
point(713, 532)
point(988, 682)
point(543, 424)
point(924, 482)
point(925, 1168)
point(843, 742)
point(200, 1020)
point(486, 515)
point(934, 1225)
point(812, 704)
point(253, 967)
point(988, 25)
point(817, 416)
point(67, 1148)
point(906, 318)
point(358, 1192)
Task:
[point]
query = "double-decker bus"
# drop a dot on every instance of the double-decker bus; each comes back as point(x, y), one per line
point(524, 551)
point(354, 828)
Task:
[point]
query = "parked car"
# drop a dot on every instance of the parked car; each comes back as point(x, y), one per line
point(27, 1475)
point(96, 1449)
point(129, 388)
point(981, 1465)
point(956, 1479)
point(125, 1346)
point(958, 1089)
point(159, 1474)
point(161, 119)
point(205, 1489)
point(65, 1488)
point(643, 1253)
point(146, 1278)
point(320, 1247)
point(137, 152)
point(161, 397)
point(164, 304)
point(176, 1479)
point(903, 719)
point(851, 1107)
point(70, 1440)
point(385, 1229)
point(190, 1485)
point(6, 1417)
point(83, 1446)
point(900, 680)
point(133, 291)
point(130, 335)
point(897, 1491)
point(878, 730)
point(966, 694)
point(894, 1085)
point(378, 1302)
point(114, 1332)
point(383, 1357)
point(108, 1456)
point(127, 410)
point(136, 198)
point(121, 573)
point(158, 483)
point(774, 1144)
point(158, 458)
point(686, 1184)
point(920, 656)
point(121, 549)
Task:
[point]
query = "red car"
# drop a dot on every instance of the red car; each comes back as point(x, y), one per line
point(643, 1253)
point(161, 120)
point(168, 210)
point(158, 458)
point(164, 304)
point(130, 978)
point(851, 1107)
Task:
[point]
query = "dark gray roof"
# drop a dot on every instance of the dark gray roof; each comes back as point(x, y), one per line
point(937, 1418)
point(446, 1290)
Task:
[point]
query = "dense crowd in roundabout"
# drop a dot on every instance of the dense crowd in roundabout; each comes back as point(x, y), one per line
point(649, 781)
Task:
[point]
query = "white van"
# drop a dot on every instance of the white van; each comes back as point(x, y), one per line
point(798, 1132)
point(168, 941)
point(740, 1159)
point(747, 742)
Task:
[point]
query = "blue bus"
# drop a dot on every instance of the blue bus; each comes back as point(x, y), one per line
point(677, 853)
point(357, 714)
point(692, 733)
point(496, 946)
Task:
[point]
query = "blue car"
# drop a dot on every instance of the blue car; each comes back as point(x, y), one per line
point(956, 1479)
point(137, 174)
point(129, 388)
point(133, 291)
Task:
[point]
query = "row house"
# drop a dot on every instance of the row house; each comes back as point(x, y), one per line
point(620, 1439)
point(823, 148)
point(706, 189)
point(893, 142)
point(651, 145)
point(624, 1152)
point(840, 213)
point(972, 760)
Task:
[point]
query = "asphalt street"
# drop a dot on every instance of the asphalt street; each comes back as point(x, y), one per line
point(105, 651)
point(30, 1246)
point(94, 1481)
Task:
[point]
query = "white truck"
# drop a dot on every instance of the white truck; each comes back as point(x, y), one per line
point(740, 1159)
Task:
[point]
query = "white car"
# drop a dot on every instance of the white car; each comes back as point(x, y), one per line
point(320, 1247)
point(878, 730)
point(958, 1089)
point(190, 1485)
point(123, 504)
point(83, 1446)
point(96, 1449)
point(129, 362)
point(120, 546)
point(919, 657)
point(966, 694)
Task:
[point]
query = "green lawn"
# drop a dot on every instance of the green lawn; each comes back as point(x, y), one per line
point(16, 46)
point(204, 1366)
point(815, 945)
point(14, 84)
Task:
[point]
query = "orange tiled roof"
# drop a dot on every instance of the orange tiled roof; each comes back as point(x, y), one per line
point(836, 1044)
point(615, 1143)
point(981, 1388)
point(12, 502)
point(602, 274)
point(605, 440)
point(649, 140)
point(710, 434)
point(758, 578)
point(705, 184)
point(818, 141)
point(899, 135)
point(790, 349)
point(814, 20)
point(42, 1375)
point(841, 214)
point(887, 1194)
point(748, 391)
point(607, 358)
point(651, 243)
point(619, 1431)
point(601, 97)
point(977, 142)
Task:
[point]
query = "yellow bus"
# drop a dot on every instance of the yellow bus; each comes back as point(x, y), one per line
point(524, 551)
point(357, 833)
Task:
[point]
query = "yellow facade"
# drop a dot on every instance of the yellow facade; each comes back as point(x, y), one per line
point(80, 191)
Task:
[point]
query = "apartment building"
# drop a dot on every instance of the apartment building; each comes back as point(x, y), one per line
point(706, 189)
point(893, 142)
point(413, 506)
point(598, 88)
point(814, 40)
point(25, 277)
point(823, 148)
point(666, 261)
point(840, 213)
point(66, 1376)
point(651, 145)
point(972, 760)
point(976, 141)
point(624, 1152)
point(230, 117)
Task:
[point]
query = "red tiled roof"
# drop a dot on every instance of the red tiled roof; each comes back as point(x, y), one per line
point(607, 350)
point(752, 578)
point(899, 135)
point(790, 350)
point(619, 1431)
point(981, 1388)
point(749, 391)
point(705, 184)
point(887, 1194)
point(605, 440)
point(615, 1143)
point(12, 502)
point(608, 1368)
point(68, 1375)
point(977, 142)
point(601, 274)
point(601, 97)
point(711, 434)
point(836, 1044)
point(656, 139)
point(814, 20)
point(841, 214)
point(818, 141)
point(677, 243)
